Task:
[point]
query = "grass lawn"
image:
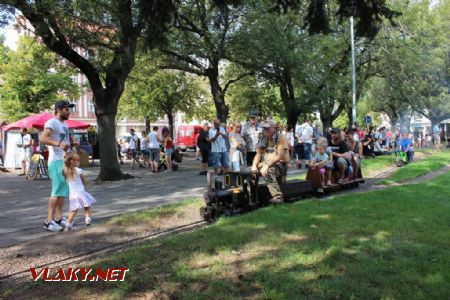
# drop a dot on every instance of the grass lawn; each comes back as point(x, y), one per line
point(390, 244)
point(431, 163)
point(371, 167)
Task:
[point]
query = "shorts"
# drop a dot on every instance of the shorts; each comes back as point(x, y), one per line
point(146, 153)
point(338, 162)
point(205, 155)
point(168, 152)
point(154, 154)
point(60, 188)
point(220, 159)
point(133, 153)
point(25, 156)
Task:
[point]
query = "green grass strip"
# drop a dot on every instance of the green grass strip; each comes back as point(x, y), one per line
point(433, 162)
point(389, 244)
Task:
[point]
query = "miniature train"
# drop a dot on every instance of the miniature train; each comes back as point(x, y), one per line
point(242, 192)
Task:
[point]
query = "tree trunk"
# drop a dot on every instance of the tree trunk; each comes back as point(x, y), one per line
point(350, 117)
point(170, 117)
point(109, 166)
point(147, 125)
point(327, 122)
point(105, 112)
point(218, 94)
point(287, 94)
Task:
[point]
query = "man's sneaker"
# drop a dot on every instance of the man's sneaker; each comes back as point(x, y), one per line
point(62, 222)
point(88, 221)
point(52, 226)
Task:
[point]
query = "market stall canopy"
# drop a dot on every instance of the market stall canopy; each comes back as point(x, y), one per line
point(39, 120)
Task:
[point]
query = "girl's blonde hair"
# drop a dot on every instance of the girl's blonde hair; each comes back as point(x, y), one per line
point(322, 142)
point(69, 171)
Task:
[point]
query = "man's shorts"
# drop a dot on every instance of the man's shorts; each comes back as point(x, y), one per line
point(133, 153)
point(339, 161)
point(25, 155)
point(220, 159)
point(154, 154)
point(60, 188)
point(145, 153)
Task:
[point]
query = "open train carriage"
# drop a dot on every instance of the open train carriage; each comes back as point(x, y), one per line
point(313, 175)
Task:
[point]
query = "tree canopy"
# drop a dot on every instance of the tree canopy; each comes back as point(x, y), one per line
point(33, 78)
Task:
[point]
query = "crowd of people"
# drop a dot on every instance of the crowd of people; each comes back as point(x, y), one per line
point(153, 149)
point(271, 148)
point(265, 147)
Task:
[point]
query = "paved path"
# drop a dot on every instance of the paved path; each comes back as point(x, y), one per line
point(24, 202)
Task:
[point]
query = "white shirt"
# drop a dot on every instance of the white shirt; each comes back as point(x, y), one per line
point(290, 138)
point(250, 134)
point(219, 145)
point(76, 185)
point(299, 132)
point(25, 141)
point(307, 134)
point(153, 140)
point(60, 133)
point(144, 143)
point(133, 142)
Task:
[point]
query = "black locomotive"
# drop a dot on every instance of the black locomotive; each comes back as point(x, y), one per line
point(242, 191)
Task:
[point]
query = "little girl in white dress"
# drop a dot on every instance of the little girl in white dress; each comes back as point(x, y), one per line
point(78, 196)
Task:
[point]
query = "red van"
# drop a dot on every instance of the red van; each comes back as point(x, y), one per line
point(187, 136)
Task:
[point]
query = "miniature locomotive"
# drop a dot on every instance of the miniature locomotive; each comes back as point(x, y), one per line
point(242, 191)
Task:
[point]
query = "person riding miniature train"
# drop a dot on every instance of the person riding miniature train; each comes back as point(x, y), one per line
point(323, 161)
point(341, 154)
point(406, 145)
point(272, 157)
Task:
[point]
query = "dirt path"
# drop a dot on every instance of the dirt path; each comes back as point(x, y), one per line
point(427, 177)
point(39, 252)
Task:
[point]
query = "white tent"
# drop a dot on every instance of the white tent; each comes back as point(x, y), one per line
point(10, 149)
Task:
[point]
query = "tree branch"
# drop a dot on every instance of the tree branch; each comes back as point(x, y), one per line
point(59, 46)
point(231, 81)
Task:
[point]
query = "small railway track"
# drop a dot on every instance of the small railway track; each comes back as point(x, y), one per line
point(91, 255)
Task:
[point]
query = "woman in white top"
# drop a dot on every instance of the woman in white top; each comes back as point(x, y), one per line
point(144, 148)
point(237, 148)
point(291, 141)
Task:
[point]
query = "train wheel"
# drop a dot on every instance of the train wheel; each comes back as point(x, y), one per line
point(399, 163)
point(207, 213)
